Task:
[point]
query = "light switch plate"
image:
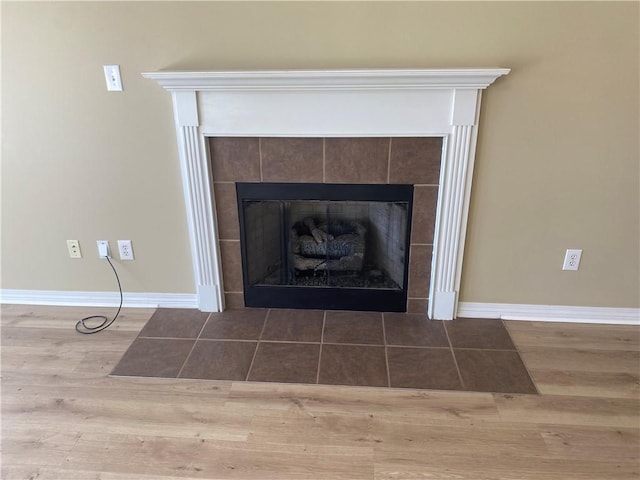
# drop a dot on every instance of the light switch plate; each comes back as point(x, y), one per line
point(113, 78)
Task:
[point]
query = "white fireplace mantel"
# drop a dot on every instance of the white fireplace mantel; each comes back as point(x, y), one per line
point(324, 103)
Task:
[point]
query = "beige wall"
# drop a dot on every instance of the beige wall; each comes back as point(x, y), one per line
point(557, 163)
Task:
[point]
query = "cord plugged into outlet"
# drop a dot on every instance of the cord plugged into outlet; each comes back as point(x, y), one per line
point(103, 249)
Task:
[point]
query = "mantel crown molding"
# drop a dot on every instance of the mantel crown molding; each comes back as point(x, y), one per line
point(385, 79)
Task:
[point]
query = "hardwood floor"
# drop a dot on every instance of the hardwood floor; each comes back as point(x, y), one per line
point(64, 418)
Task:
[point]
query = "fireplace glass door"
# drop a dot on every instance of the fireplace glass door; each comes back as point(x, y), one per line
point(325, 245)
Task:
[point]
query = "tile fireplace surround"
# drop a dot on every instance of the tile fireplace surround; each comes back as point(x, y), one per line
point(330, 104)
point(376, 160)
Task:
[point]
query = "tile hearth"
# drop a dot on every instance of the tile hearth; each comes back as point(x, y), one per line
point(395, 350)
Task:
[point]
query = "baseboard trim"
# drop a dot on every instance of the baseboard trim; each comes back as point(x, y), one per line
point(99, 299)
point(550, 313)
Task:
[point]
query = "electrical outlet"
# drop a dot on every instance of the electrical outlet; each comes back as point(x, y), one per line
point(125, 249)
point(572, 259)
point(103, 248)
point(74, 249)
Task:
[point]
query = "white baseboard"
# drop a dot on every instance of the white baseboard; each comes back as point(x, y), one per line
point(550, 313)
point(99, 299)
point(505, 311)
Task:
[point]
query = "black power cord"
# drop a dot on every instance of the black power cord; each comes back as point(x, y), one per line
point(82, 327)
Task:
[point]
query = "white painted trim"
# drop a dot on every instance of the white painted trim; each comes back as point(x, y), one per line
point(98, 299)
point(550, 313)
point(358, 103)
point(290, 80)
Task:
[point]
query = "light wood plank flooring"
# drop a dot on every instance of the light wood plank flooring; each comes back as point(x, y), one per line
point(64, 418)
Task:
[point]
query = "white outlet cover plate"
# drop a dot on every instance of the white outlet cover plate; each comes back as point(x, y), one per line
point(113, 78)
point(103, 248)
point(126, 249)
point(572, 259)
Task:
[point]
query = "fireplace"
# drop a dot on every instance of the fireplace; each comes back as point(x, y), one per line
point(325, 246)
point(442, 103)
point(332, 168)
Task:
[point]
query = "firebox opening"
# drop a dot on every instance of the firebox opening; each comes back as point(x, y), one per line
point(329, 246)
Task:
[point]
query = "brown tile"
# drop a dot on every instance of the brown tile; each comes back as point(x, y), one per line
point(414, 330)
point(425, 201)
point(243, 324)
point(231, 266)
point(353, 327)
point(479, 333)
point(216, 360)
point(233, 300)
point(419, 270)
point(294, 325)
point(356, 160)
point(154, 357)
point(423, 368)
point(417, 305)
point(415, 160)
point(493, 371)
point(235, 159)
point(175, 323)
point(292, 159)
point(285, 362)
point(227, 211)
point(353, 365)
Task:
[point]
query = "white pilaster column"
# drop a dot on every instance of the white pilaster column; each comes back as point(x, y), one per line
point(453, 205)
point(197, 194)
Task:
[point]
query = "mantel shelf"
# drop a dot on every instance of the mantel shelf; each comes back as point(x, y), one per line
point(386, 79)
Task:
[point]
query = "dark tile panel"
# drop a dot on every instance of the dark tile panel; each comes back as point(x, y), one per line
point(419, 271)
point(235, 159)
point(423, 368)
point(231, 266)
point(233, 300)
point(356, 160)
point(415, 160)
point(417, 305)
point(353, 327)
point(414, 330)
point(292, 160)
point(154, 357)
point(286, 362)
point(479, 333)
point(218, 360)
point(294, 325)
point(425, 201)
point(353, 365)
point(227, 211)
point(245, 324)
point(493, 371)
point(175, 322)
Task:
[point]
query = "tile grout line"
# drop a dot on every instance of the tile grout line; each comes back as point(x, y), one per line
point(526, 368)
point(453, 354)
point(260, 157)
point(255, 352)
point(324, 318)
point(193, 346)
point(386, 355)
point(389, 161)
point(488, 349)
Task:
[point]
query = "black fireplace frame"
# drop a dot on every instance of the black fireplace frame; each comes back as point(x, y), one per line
point(326, 298)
